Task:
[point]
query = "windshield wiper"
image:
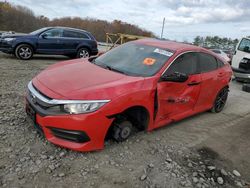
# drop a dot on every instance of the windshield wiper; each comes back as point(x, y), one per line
point(113, 69)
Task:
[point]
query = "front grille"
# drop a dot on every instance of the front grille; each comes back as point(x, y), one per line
point(41, 93)
point(36, 101)
point(245, 66)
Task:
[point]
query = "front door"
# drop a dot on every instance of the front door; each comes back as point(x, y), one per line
point(51, 43)
point(177, 100)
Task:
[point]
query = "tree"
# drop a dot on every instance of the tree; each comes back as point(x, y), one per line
point(22, 19)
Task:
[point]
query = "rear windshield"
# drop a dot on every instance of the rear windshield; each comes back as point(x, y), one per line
point(135, 59)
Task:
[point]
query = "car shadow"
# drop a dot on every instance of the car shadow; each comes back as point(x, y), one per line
point(50, 57)
point(36, 57)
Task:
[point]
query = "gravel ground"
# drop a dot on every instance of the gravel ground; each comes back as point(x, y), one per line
point(206, 150)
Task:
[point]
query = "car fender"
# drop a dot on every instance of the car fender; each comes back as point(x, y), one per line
point(84, 45)
point(141, 98)
point(246, 56)
point(25, 41)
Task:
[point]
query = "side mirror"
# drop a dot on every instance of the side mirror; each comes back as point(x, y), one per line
point(44, 35)
point(175, 77)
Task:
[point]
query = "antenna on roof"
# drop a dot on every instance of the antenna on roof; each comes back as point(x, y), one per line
point(163, 23)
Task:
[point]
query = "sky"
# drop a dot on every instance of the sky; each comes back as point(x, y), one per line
point(184, 19)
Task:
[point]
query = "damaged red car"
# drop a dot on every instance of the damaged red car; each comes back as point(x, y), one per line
point(141, 85)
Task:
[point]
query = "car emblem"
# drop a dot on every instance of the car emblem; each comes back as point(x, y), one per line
point(33, 98)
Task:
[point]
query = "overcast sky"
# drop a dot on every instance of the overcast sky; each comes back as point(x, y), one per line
point(185, 19)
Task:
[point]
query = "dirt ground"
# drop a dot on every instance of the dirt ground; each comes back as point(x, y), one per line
point(206, 150)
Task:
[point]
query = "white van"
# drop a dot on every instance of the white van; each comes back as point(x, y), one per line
point(241, 60)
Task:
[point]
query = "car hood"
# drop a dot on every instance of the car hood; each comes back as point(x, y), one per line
point(247, 56)
point(13, 35)
point(81, 80)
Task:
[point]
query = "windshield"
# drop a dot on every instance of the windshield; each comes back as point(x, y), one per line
point(38, 31)
point(244, 45)
point(135, 59)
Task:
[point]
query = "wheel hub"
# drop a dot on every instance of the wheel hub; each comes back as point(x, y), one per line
point(84, 54)
point(125, 132)
point(25, 52)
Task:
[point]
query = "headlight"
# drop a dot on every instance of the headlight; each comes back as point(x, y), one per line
point(244, 61)
point(9, 39)
point(80, 108)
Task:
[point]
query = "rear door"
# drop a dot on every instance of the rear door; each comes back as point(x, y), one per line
point(177, 100)
point(73, 39)
point(210, 81)
point(52, 43)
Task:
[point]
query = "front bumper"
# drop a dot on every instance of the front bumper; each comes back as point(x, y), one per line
point(89, 129)
point(81, 132)
point(241, 74)
point(5, 46)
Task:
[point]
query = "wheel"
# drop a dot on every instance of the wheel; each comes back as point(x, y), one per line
point(122, 130)
point(83, 53)
point(24, 52)
point(220, 101)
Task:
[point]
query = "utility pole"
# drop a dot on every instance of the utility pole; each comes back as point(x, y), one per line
point(163, 23)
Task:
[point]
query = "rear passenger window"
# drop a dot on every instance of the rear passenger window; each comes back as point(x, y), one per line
point(186, 63)
point(74, 34)
point(220, 63)
point(82, 35)
point(207, 62)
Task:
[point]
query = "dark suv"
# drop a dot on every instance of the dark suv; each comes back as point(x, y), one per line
point(50, 40)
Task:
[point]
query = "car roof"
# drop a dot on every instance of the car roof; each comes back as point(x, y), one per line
point(70, 28)
point(170, 45)
point(175, 46)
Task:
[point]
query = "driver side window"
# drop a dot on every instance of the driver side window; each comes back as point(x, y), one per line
point(186, 63)
point(54, 33)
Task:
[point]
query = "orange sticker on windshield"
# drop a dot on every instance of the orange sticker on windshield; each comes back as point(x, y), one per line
point(149, 61)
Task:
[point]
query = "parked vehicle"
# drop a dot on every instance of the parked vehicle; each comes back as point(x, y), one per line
point(222, 54)
point(229, 53)
point(143, 84)
point(50, 40)
point(241, 60)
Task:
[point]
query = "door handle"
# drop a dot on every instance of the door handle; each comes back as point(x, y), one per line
point(171, 100)
point(193, 83)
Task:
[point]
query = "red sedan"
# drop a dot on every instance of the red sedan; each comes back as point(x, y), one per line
point(142, 85)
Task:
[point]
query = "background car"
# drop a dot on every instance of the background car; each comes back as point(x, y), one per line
point(241, 60)
point(51, 40)
point(222, 54)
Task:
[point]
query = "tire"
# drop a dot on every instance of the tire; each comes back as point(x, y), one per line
point(83, 53)
point(246, 88)
point(220, 101)
point(24, 52)
point(122, 130)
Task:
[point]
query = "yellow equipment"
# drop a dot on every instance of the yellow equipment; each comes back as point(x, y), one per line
point(120, 38)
